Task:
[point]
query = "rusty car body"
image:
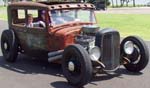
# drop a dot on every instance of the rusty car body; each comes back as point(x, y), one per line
point(71, 37)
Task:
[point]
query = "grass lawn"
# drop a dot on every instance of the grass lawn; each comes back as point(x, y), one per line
point(3, 13)
point(2, 7)
point(127, 24)
point(3, 17)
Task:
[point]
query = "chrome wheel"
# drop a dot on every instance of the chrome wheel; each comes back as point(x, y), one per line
point(135, 52)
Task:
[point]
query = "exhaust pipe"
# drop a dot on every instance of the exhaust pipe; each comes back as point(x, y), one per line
point(55, 55)
point(51, 59)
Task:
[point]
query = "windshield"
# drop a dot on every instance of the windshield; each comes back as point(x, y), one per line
point(65, 16)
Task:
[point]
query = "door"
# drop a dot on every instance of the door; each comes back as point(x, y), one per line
point(33, 40)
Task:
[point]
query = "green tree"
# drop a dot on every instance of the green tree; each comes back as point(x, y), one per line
point(112, 3)
point(134, 3)
point(127, 2)
point(116, 3)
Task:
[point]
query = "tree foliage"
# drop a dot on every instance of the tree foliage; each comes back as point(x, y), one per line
point(122, 2)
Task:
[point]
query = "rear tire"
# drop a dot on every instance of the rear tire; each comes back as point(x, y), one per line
point(9, 45)
point(139, 58)
point(80, 71)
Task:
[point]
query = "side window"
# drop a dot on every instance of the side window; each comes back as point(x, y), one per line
point(21, 14)
point(33, 12)
point(18, 17)
point(34, 20)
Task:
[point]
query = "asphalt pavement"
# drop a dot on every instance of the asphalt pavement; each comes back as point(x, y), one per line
point(28, 72)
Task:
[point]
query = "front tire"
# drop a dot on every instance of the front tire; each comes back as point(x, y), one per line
point(76, 65)
point(9, 45)
point(140, 56)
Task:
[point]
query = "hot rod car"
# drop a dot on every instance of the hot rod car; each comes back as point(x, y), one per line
point(72, 38)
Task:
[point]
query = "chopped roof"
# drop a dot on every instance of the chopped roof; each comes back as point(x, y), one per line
point(53, 5)
point(28, 4)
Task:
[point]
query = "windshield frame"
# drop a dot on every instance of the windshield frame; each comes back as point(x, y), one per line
point(91, 10)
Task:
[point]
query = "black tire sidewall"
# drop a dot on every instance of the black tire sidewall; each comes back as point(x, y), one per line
point(86, 65)
point(144, 54)
point(9, 37)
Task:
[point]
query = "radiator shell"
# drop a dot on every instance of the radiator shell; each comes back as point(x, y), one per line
point(108, 40)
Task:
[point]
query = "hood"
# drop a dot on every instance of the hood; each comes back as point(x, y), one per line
point(68, 31)
point(64, 30)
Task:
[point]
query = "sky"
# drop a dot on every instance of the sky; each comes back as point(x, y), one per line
point(142, 1)
point(1, 2)
point(138, 2)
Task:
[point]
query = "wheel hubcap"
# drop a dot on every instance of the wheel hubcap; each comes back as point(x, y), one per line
point(5, 46)
point(71, 66)
point(135, 56)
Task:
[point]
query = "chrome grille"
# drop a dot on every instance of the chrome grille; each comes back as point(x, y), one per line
point(109, 42)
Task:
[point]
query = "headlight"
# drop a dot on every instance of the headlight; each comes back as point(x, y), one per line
point(92, 44)
point(128, 47)
point(95, 53)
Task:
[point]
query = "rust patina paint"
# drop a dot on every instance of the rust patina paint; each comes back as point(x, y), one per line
point(52, 38)
point(64, 35)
